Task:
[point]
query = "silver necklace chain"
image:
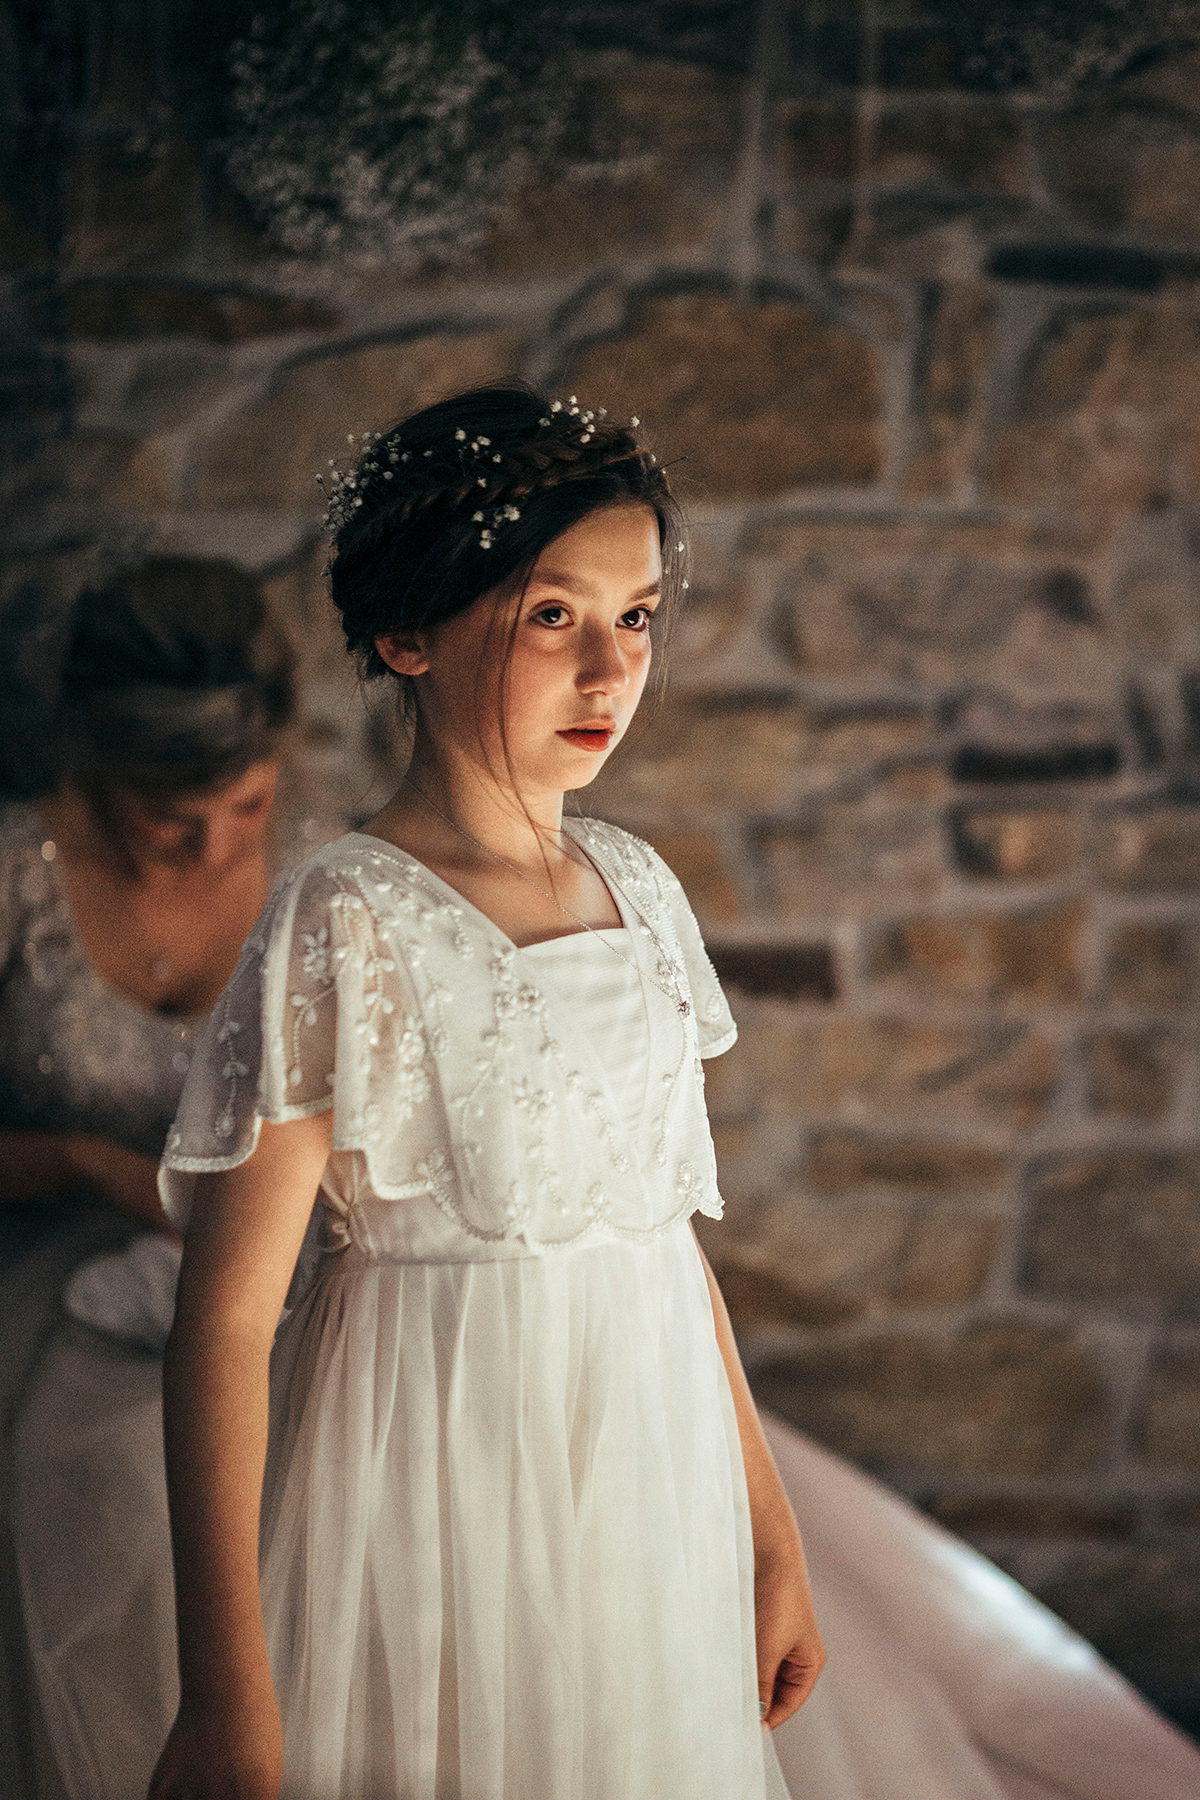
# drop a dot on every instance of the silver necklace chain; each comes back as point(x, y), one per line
point(679, 1001)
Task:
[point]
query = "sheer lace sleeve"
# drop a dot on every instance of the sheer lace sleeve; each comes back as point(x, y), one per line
point(714, 1021)
point(269, 1048)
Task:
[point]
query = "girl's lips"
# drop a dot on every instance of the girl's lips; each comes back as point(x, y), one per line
point(587, 739)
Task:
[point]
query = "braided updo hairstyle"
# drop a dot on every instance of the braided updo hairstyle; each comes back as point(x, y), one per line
point(463, 497)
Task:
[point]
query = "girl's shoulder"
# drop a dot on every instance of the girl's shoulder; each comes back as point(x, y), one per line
point(632, 859)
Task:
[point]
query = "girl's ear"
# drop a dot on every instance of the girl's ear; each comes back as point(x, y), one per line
point(403, 652)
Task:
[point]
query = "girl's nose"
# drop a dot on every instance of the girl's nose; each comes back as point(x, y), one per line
point(602, 668)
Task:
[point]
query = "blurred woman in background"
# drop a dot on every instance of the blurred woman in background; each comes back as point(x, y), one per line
point(125, 894)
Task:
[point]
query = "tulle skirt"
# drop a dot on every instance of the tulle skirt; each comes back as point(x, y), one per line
point(945, 1680)
point(506, 1542)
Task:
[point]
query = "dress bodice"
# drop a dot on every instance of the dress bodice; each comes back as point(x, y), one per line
point(595, 973)
point(462, 1079)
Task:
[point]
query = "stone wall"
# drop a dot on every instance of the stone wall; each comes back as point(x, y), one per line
point(929, 764)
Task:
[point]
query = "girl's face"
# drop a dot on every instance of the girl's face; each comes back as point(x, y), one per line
point(550, 716)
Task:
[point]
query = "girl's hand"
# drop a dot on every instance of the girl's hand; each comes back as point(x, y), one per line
point(790, 1652)
point(237, 1755)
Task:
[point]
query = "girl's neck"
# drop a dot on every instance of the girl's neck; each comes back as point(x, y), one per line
point(447, 809)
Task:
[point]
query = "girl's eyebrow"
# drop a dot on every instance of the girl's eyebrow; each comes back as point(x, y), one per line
point(550, 578)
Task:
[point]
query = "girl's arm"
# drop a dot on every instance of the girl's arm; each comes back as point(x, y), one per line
point(243, 1239)
point(790, 1652)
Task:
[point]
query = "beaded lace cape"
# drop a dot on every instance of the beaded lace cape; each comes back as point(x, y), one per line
point(371, 986)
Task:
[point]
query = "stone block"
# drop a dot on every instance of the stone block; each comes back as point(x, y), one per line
point(952, 362)
point(948, 145)
point(772, 1072)
point(919, 56)
point(757, 396)
point(841, 1161)
point(751, 753)
point(272, 451)
point(884, 537)
point(946, 1260)
point(979, 1517)
point(777, 971)
point(1139, 1604)
point(1104, 409)
point(126, 309)
point(845, 856)
point(1151, 962)
point(1116, 1227)
point(999, 1400)
point(1030, 958)
point(806, 1261)
point(697, 860)
point(1168, 1430)
point(1125, 168)
point(742, 755)
point(1155, 851)
point(24, 245)
point(817, 140)
point(1133, 1074)
point(130, 208)
point(906, 1070)
point(862, 613)
point(1005, 845)
point(808, 224)
point(667, 132)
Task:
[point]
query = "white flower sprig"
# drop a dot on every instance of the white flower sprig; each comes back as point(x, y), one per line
point(384, 457)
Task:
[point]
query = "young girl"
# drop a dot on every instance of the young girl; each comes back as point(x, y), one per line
point(521, 1537)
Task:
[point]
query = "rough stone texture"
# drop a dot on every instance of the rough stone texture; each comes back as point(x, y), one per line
point(123, 309)
point(902, 1069)
point(271, 454)
point(1015, 1516)
point(1126, 167)
point(1017, 846)
point(980, 147)
point(984, 957)
point(1169, 1426)
point(1105, 408)
point(1123, 1227)
point(953, 354)
point(830, 865)
point(673, 135)
point(1002, 1399)
point(758, 397)
point(1155, 852)
point(840, 1161)
point(810, 1262)
point(697, 860)
point(1133, 1073)
point(1151, 964)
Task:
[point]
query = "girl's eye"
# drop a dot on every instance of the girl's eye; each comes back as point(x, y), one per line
point(637, 618)
point(550, 615)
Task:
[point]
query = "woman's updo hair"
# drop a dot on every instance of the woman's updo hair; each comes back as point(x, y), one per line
point(174, 680)
point(464, 496)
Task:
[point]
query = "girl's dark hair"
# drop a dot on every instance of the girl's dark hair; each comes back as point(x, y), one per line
point(464, 496)
point(174, 680)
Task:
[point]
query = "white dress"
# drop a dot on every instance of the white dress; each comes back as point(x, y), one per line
point(505, 1546)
